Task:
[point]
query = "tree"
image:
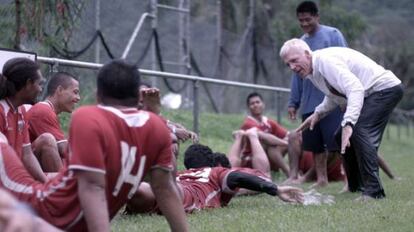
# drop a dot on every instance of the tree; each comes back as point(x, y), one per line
point(48, 22)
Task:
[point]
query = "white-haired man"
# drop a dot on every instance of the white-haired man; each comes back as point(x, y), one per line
point(365, 90)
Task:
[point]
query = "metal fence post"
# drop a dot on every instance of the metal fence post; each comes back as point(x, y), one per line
point(195, 107)
point(278, 113)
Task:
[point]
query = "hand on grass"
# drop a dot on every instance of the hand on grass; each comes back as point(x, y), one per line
point(290, 194)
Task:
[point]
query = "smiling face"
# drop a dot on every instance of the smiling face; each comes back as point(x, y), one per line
point(299, 61)
point(308, 22)
point(68, 97)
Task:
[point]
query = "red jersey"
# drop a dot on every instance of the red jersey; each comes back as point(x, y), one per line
point(266, 125)
point(334, 171)
point(122, 144)
point(14, 126)
point(207, 187)
point(42, 118)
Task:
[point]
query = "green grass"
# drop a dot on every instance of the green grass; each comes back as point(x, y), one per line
point(266, 213)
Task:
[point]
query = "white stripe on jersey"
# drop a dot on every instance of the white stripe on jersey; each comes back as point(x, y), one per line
point(211, 196)
point(86, 168)
point(10, 184)
point(53, 188)
point(137, 119)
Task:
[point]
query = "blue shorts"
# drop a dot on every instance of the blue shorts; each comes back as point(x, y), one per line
point(321, 138)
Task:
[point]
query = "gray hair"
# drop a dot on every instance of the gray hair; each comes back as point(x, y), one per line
point(295, 43)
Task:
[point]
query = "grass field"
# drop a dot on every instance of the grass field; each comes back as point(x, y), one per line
point(266, 213)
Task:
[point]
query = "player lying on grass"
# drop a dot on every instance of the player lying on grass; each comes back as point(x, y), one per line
point(210, 182)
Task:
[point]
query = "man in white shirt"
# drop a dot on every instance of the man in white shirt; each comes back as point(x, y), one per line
point(367, 93)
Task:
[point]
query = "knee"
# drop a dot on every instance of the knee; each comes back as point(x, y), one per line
point(46, 140)
point(294, 137)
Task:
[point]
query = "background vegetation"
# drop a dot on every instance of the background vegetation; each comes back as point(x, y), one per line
point(252, 32)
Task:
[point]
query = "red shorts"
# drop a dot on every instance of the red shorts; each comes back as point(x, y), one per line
point(334, 169)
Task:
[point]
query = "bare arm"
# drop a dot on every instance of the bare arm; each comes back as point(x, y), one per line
point(168, 198)
point(91, 191)
point(32, 164)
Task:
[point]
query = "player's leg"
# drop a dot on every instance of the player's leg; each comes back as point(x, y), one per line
point(307, 167)
point(271, 140)
point(259, 158)
point(275, 156)
point(312, 140)
point(294, 154)
point(327, 127)
point(321, 169)
point(236, 149)
point(385, 167)
point(46, 151)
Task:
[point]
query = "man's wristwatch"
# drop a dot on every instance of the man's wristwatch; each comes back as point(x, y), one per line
point(349, 124)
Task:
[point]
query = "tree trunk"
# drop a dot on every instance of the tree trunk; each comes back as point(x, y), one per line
point(18, 25)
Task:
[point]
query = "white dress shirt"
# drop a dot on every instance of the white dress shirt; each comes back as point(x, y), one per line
point(346, 77)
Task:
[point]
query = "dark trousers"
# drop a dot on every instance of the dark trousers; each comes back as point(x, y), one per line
point(361, 159)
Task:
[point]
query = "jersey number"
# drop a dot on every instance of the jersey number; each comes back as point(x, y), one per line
point(127, 163)
point(201, 175)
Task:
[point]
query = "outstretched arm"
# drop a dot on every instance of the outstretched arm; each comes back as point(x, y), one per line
point(238, 179)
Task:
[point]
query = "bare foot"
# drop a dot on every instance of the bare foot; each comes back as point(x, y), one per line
point(345, 189)
point(397, 178)
point(364, 198)
point(238, 134)
point(252, 132)
point(294, 181)
point(290, 180)
point(320, 184)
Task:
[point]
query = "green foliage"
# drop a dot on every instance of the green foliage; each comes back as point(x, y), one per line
point(7, 25)
point(351, 24)
point(46, 22)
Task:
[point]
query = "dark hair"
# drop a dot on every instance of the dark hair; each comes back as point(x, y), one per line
point(16, 73)
point(198, 156)
point(252, 95)
point(59, 79)
point(119, 80)
point(221, 159)
point(307, 7)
